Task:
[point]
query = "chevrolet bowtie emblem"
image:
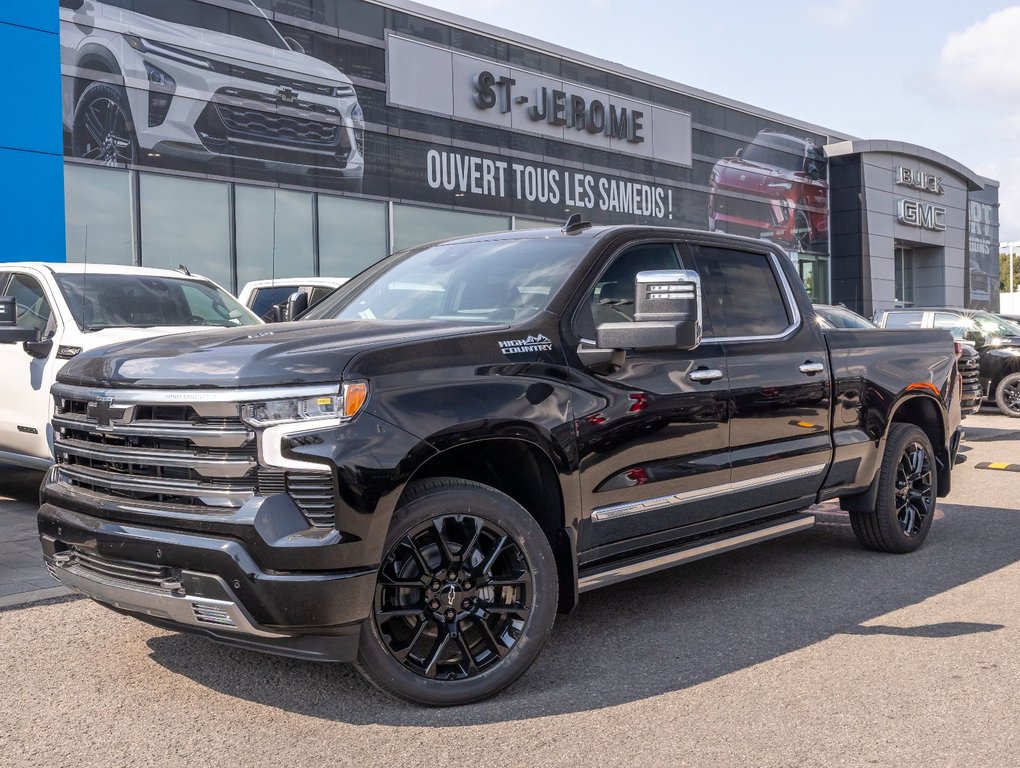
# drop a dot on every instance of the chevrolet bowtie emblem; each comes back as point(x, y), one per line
point(286, 95)
point(105, 412)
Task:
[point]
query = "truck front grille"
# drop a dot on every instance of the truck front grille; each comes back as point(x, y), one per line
point(195, 456)
point(114, 570)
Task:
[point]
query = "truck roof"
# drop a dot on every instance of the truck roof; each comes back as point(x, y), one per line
point(59, 268)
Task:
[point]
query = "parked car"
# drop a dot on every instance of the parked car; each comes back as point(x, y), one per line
point(836, 317)
point(260, 296)
point(997, 342)
point(774, 188)
point(1011, 318)
point(467, 435)
point(186, 81)
point(62, 310)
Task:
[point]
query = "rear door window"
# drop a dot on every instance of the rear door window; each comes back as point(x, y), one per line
point(741, 292)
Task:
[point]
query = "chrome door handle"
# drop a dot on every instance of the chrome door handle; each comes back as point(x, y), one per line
point(811, 368)
point(705, 375)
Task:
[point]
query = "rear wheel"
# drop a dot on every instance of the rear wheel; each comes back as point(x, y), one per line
point(465, 598)
point(1007, 395)
point(907, 483)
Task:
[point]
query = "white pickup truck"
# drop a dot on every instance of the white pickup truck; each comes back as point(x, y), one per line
point(50, 313)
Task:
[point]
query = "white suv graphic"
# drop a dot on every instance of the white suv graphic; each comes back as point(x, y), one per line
point(191, 81)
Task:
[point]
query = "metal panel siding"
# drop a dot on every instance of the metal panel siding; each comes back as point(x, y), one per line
point(31, 145)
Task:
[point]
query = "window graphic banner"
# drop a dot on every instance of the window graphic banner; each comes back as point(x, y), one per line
point(350, 97)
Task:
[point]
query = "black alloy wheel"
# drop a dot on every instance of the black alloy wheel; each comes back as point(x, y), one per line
point(102, 130)
point(915, 494)
point(1007, 395)
point(465, 597)
point(907, 487)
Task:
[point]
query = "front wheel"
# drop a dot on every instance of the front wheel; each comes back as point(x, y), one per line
point(1007, 395)
point(907, 483)
point(102, 130)
point(465, 597)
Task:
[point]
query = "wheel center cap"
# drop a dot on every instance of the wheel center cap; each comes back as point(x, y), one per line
point(450, 591)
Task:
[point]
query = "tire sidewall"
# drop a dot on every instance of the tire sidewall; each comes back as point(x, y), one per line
point(1000, 395)
point(493, 506)
point(110, 91)
point(901, 436)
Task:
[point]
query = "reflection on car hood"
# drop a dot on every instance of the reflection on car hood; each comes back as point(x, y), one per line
point(230, 47)
point(304, 352)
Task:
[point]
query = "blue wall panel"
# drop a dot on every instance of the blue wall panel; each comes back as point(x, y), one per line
point(31, 138)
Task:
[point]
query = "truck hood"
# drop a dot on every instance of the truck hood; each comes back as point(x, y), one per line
point(304, 352)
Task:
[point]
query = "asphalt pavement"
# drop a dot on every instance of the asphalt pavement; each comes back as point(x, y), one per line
point(806, 650)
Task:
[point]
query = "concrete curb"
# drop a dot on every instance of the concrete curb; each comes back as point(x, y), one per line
point(35, 596)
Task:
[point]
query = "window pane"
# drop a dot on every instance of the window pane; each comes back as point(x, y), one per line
point(186, 221)
point(99, 221)
point(352, 235)
point(33, 309)
point(740, 291)
point(414, 226)
point(904, 319)
point(274, 234)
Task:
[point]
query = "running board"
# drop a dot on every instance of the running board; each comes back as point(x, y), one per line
point(696, 551)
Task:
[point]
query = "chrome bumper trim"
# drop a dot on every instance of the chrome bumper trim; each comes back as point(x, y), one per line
point(189, 610)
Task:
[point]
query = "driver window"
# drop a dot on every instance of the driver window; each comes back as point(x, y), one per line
point(33, 307)
point(611, 299)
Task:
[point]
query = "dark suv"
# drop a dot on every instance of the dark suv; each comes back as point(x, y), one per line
point(996, 340)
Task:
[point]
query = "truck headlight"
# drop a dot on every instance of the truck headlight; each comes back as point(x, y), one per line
point(344, 405)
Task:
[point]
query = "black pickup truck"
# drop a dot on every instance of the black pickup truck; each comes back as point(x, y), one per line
point(436, 459)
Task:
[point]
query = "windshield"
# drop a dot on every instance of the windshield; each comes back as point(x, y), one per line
point(477, 282)
point(788, 154)
point(100, 301)
point(991, 325)
point(250, 25)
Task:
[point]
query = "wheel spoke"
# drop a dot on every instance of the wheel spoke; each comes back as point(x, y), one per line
point(385, 614)
point(432, 662)
point(423, 564)
point(524, 580)
point(496, 552)
point(444, 548)
point(468, 666)
point(389, 581)
point(490, 639)
point(465, 554)
point(94, 125)
point(497, 610)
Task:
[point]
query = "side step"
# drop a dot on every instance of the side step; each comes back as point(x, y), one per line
point(695, 551)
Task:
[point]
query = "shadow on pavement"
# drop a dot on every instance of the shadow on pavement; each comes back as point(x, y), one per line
point(990, 434)
point(661, 633)
point(20, 484)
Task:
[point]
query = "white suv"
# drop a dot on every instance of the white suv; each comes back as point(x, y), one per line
point(190, 81)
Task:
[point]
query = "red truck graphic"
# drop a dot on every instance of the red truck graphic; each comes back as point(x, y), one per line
point(773, 188)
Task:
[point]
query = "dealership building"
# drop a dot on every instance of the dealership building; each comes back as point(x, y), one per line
point(255, 138)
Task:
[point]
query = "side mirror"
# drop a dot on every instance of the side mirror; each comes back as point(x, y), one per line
point(39, 348)
point(10, 333)
point(739, 152)
point(297, 303)
point(667, 314)
point(294, 45)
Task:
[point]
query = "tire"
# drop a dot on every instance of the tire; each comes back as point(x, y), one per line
point(102, 129)
point(468, 639)
point(905, 507)
point(1007, 395)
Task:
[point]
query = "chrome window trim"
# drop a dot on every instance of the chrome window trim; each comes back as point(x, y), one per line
point(185, 396)
point(788, 295)
point(626, 509)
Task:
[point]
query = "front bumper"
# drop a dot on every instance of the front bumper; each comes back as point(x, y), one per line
point(207, 585)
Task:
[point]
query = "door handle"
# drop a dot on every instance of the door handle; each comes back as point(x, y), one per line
point(811, 368)
point(705, 375)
